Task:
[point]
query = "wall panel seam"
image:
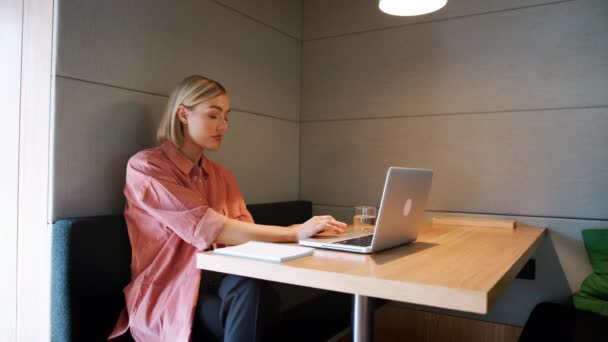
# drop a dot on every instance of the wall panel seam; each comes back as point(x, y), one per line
point(482, 213)
point(52, 111)
point(166, 97)
point(111, 85)
point(506, 111)
point(255, 19)
point(432, 21)
point(245, 111)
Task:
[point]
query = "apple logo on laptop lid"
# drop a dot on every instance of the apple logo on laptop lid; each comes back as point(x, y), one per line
point(407, 207)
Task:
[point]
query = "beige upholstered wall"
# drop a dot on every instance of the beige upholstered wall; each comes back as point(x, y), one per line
point(505, 100)
point(116, 64)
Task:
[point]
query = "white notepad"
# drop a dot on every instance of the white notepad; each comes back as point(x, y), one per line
point(267, 251)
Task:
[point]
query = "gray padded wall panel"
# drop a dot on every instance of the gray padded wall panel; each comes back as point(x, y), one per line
point(561, 266)
point(507, 104)
point(263, 154)
point(96, 130)
point(326, 18)
point(543, 57)
point(117, 61)
point(284, 15)
point(151, 45)
point(546, 163)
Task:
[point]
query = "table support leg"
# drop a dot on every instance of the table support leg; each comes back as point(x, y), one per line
point(362, 319)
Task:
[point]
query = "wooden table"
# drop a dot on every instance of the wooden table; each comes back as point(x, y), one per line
point(453, 267)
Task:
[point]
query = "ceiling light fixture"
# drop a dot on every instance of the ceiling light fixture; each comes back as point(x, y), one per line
point(410, 7)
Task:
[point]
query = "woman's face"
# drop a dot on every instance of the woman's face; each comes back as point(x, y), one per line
point(205, 124)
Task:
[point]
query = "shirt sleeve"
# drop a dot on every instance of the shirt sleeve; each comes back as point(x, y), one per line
point(236, 196)
point(184, 211)
point(245, 214)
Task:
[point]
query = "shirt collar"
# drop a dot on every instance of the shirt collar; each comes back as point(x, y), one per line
point(182, 162)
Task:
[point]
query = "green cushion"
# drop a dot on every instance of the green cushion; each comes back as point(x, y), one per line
point(593, 295)
point(596, 243)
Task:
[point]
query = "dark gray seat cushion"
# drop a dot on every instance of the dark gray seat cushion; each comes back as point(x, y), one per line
point(281, 213)
point(91, 259)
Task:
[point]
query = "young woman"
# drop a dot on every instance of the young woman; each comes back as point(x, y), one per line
point(178, 203)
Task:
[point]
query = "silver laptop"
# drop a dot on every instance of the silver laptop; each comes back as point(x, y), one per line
point(399, 218)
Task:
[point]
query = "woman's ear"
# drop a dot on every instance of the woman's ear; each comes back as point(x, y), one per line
point(182, 114)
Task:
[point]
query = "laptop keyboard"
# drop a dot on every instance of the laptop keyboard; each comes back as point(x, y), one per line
point(363, 241)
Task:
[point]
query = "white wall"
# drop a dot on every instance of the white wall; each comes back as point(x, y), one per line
point(505, 101)
point(116, 64)
point(10, 85)
point(25, 93)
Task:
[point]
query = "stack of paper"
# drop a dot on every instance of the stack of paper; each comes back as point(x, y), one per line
point(265, 251)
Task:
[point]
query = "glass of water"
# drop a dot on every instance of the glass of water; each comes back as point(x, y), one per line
point(364, 219)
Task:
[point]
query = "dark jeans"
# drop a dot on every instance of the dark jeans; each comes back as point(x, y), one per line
point(234, 308)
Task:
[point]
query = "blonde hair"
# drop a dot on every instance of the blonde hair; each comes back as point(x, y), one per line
point(191, 91)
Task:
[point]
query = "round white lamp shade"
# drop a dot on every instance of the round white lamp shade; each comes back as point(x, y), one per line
point(410, 7)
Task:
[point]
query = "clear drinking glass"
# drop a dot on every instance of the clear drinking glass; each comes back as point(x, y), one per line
point(364, 219)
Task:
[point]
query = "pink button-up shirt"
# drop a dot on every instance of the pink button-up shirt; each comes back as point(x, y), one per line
point(174, 209)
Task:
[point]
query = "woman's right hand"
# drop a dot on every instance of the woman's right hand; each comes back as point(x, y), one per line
point(317, 224)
